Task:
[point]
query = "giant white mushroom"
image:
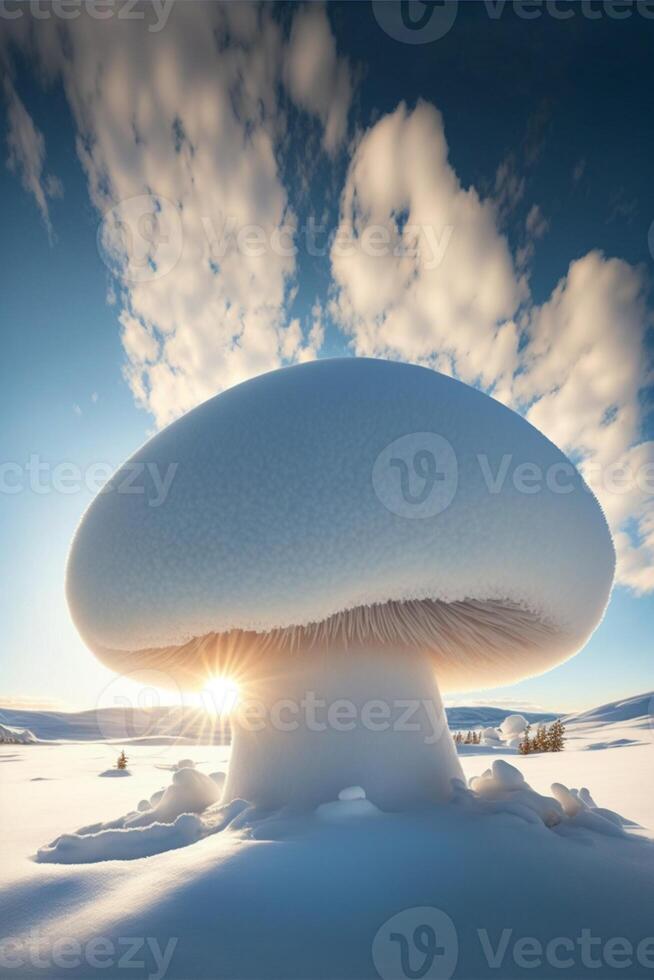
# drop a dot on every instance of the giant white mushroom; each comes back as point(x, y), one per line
point(349, 531)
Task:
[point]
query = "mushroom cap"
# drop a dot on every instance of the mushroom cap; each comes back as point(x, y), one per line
point(348, 501)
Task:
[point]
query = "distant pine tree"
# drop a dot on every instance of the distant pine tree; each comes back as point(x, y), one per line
point(525, 746)
point(540, 740)
point(468, 739)
point(556, 736)
point(122, 761)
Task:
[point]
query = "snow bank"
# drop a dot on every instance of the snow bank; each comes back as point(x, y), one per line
point(188, 810)
point(504, 788)
point(16, 736)
point(111, 773)
point(125, 845)
point(169, 819)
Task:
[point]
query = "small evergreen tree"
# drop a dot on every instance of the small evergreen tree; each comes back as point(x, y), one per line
point(468, 739)
point(556, 736)
point(122, 761)
point(525, 746)
point(540, 740)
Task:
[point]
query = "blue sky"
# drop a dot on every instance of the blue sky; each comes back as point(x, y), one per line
point(529, 139)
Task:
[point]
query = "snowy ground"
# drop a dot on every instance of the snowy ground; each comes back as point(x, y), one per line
point(471, 893)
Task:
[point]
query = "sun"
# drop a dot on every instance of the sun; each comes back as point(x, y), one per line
point(220, 695)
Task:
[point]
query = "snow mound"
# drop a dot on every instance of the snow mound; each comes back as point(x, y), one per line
point(190, 792)
point(504, 789)
point(125, 845)
point(352, 793)
point(513, 725)
point(111, 773)
point(168, 820)
point(629, 709)
point(351, 804)
point(16, 736)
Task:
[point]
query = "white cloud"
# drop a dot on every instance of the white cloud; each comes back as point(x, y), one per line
point(509, 188)
point(536, 225)
point(192, 116)
point(444, 291)
point(583, 370)
point(576, 366)
point(317, 79)
point(26, 153)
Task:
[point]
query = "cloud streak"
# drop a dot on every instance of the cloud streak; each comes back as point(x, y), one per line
point(26, 154)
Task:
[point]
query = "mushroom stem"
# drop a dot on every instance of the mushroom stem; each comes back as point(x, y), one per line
point(324, 720)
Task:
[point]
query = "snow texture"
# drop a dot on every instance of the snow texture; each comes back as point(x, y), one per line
point(277, 514)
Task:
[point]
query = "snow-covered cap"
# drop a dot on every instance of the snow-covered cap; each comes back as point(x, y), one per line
point(343, 503)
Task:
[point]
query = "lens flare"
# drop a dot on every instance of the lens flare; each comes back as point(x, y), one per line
point(219, 696)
